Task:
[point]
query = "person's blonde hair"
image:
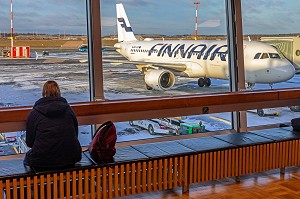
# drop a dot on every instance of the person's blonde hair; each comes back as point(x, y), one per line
point(51, 89)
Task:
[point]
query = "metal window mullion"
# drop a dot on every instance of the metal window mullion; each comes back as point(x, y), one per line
point(95, 50)
point(94, 53)
point(236, 58)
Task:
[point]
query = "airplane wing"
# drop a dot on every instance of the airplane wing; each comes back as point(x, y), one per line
point(144, 64)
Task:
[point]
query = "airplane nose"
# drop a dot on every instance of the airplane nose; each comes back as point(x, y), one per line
point(285, 71)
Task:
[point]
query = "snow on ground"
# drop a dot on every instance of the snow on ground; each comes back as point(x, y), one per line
point(21, 85)
point(127, 132)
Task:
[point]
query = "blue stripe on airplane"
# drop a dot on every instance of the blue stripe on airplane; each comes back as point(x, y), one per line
point(123, 24)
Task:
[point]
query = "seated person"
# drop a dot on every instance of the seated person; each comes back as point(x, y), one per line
point(52, 132)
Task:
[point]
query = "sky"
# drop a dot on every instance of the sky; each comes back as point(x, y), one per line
point(168, 17)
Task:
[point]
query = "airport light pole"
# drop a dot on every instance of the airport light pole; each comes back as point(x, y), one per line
point(196, 24)
point(11, 25)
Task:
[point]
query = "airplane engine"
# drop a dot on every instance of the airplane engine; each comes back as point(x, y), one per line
point(159, 79)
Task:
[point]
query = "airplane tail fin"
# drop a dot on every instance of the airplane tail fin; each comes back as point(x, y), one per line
point(125, 32)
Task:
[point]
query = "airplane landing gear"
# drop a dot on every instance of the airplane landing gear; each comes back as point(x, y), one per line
point(201, 82)
point(249, 86)
point(271, 85)
point(148, 87)
point(260, 112)
point(204, 82)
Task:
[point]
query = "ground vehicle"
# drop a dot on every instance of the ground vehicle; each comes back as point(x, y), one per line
point(153, 126)
point(9, 137)
point(274, 111)
point(172, 123)
point(168, 126)
point(5, 52)
point(186, 128)
point(45, 53)
point(267, 112)
point(83, 48)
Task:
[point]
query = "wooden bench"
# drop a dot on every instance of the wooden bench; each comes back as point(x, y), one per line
point(157, 166)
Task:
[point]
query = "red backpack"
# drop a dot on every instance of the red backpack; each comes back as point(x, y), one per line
point(102, 147)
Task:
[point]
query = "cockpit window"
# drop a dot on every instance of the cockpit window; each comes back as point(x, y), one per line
point(257, 56)
point(264, 56)
point(267, 55)
point(274, 55)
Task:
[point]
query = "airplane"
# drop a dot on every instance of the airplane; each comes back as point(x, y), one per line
point(162, 60)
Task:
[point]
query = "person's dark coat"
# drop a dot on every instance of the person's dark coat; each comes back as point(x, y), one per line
point(52, 134)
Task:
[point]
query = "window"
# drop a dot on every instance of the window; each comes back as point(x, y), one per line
point(274, 55)
point(175, 65)
point(264, 56)
point(177, 53)
point(172, 126)
point(278, 60)
point(53, 42)
point(257, 56)
point(142, 79)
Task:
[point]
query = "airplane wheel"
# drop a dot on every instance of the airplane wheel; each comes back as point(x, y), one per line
point(260, 112)
point(250, 86)
point(151, 129)
point(207, 82)
point(148, 87)
point(201, 82)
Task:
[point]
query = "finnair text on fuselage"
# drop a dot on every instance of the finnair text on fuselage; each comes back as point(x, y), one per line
point(202, 51)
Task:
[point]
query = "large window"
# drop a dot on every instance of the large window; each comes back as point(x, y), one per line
point(44, 45)
point(157, 50)
point(151, 51)
point(45, 41)
point(172, 126)
point(271, 31)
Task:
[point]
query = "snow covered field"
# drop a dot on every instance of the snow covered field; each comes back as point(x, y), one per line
point(20, 84)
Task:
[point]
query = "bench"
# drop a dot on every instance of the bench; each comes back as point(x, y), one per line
point(157, 166)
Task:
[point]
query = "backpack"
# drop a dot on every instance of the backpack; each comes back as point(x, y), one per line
point(102, 146)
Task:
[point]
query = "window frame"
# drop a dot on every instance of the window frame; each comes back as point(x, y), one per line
point(14, 118)
point(235, 47)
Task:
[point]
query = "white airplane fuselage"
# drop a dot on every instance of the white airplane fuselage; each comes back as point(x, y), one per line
point(209, 58)
point(161, 60)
